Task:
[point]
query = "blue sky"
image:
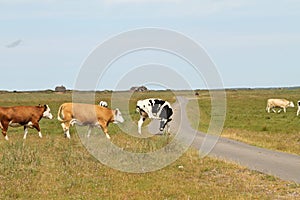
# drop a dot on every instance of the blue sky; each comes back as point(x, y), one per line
point(253, 43)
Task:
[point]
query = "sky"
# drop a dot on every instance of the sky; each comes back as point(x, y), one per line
point(44, 44)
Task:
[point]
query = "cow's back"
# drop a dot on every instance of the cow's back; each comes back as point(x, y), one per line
point(277, 102)
point(19, 113)
point(84, 112)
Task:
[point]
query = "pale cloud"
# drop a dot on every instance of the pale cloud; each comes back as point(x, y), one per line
point(143, 9)
point(20, 2)
point(241, 41)
point(114, 2)
point(178, 7)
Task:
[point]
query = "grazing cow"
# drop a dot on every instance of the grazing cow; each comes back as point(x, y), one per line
point(154, 109)
point(103, 104)
point(87, 115)
point(298, 104)
point(27, 116)
point(280, 103)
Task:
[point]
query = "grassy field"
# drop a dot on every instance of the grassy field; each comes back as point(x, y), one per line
point(248, 121)
point(57, 168)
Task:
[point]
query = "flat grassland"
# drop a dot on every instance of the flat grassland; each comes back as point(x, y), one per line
point(57, 168)
point(248, 121)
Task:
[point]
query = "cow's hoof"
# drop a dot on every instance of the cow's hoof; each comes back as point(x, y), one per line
point(67, 136)
point(6, 138)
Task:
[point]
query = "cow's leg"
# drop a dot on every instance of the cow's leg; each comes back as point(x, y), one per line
point(105, 130)
point(4, 129)
point(298, 111)
point(163, 123)
point(37, 127)
point(89, 131)
point(140, 123)
point(168, 128)
point(73, 122)
point(269, 109)
point(66, 128)
point(4, 133)
point(284, 109)
point(103, 126)
point(25, 132)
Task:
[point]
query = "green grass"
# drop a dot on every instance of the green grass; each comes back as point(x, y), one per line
point(57, 168)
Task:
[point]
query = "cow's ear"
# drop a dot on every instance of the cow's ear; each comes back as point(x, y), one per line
point(45, 106)
point(116, 111)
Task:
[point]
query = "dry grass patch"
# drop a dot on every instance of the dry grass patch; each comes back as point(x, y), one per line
point(57, 168)
point(289, 143)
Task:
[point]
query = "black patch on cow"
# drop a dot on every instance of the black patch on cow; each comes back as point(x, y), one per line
point(166, 113)
point(298, 103)
point(158, 101)
point(157, 105)
point(151, 102)
point(155, 108)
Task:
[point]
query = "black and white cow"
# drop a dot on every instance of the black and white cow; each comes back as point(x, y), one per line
point(154, 108)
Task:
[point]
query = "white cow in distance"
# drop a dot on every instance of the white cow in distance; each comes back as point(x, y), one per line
point(298, 104)
point(278, 103)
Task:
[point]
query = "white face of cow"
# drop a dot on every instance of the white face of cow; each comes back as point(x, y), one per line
point(47, 114)
point(118, 117)
point(292, 104)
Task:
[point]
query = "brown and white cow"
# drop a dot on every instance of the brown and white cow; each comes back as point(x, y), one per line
point(87, 115)
point(27, 116)
point(278, 103)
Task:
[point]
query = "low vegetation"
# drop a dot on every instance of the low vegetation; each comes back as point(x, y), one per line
point(57, 168)
point(248, 121)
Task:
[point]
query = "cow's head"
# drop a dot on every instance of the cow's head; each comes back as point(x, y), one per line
point(291, 104)
point(47, 114)
point(118, 116)
point(163, 123)
point(165, 116)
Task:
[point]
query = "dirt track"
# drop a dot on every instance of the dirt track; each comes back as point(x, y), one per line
point(281, 165)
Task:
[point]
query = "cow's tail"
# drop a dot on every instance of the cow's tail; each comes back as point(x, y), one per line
point(59, 114)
